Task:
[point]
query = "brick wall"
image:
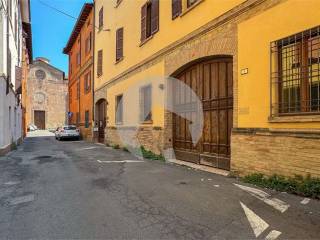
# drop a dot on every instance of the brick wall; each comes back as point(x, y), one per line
point(149, 137)
point(275, 152)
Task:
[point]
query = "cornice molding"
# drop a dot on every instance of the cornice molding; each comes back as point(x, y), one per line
point(217, 22)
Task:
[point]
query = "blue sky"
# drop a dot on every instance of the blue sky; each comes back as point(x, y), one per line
point(51, 29)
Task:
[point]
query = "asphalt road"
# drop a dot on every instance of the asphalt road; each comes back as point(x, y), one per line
point(59, 190)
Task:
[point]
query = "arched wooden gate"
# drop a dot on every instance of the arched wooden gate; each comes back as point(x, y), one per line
point(212, 81)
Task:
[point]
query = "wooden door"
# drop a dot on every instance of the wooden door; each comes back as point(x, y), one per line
point(101, 120)
point(212, 82)
point(40, 119)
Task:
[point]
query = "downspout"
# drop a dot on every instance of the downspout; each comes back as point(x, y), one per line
point(79, 82)
point(93, 125)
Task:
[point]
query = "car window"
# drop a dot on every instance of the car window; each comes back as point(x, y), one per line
point(69, 128)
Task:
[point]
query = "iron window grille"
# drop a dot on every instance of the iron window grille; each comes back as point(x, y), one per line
point(295, 74)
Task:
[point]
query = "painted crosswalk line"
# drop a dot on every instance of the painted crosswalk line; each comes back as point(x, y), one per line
point(266, 198)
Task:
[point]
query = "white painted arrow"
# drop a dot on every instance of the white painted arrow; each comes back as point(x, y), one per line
point(273, 235)
point(257, 224)
point(265, 197)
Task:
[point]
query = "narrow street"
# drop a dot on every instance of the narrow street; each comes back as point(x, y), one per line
point(59, 190)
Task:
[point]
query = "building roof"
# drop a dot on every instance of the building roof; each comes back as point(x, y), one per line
point(46, 62)
point(26, 25)
point(28, 37)
point(85, 11)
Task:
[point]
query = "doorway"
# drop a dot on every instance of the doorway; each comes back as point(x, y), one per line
point(40, 119)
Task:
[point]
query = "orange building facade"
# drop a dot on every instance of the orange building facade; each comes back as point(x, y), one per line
point(80, 51)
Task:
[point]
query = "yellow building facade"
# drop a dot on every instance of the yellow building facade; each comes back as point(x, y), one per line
point(222, 50)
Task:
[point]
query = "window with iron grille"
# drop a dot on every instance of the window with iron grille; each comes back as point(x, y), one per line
point(86, 117)
point(145, 104)
point(119, 109)
point(295, 74)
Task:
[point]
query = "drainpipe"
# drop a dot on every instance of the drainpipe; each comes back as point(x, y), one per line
point(93, 68)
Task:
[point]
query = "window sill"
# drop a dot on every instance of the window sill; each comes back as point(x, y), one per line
point(295, 119)
point(119, 123)
point(147, 122)
point(145, 41)
point(119, 60)
point(185, 11)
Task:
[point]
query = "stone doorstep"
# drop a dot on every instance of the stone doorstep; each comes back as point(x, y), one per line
point(200, 167)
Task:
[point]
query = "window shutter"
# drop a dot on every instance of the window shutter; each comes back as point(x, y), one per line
point(119, 44)
point(176, 8)
point(154, 16)
point(101, 18)
point(99, 65)
point(143, 22)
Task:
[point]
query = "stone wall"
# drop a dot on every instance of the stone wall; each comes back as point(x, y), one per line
point(275, 152)
point(47, 92)
point(149, 137)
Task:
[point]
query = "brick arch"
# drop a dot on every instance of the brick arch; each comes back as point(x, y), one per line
point(196, 61)
point(217, 42)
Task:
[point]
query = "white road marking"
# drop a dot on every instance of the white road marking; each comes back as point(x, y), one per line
point(88, 148)
point(257, 224)
point(273, 235)
point(217, 185)
point(305, 201)
point(121, 161)
point(10, 183)
point(101, 144)
point(265, 197)
point(22, 199)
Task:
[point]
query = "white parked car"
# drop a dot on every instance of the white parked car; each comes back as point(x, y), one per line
point(68, 131)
